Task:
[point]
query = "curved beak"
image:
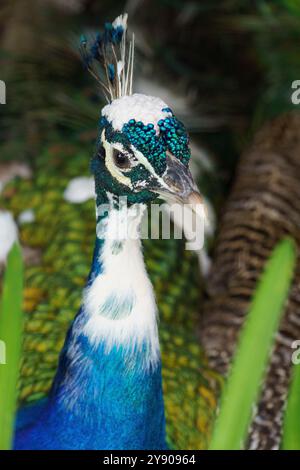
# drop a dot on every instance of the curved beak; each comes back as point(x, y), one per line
point(177, 185)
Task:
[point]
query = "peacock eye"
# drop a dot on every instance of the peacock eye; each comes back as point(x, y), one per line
point(121, 160)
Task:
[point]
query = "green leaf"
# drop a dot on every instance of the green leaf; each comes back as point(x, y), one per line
point(291, 425)
point(11, 320)
point(245, 379)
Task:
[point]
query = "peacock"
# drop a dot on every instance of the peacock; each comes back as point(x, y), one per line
point(107, 391)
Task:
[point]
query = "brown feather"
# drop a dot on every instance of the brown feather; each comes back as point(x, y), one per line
point(264, 206)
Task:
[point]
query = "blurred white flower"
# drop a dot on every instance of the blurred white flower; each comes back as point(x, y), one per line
point(80, 189)
point(8, 234)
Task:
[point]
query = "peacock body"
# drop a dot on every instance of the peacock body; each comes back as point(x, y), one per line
point(107, 392)
point(58, 256)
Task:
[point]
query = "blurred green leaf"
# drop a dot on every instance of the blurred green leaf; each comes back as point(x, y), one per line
point(291, 425)
point(11, 336)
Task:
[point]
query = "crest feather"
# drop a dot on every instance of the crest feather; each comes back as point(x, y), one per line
point(109, 57)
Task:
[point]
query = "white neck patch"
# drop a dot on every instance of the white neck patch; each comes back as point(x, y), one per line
point(120, 302)
point(147, 109)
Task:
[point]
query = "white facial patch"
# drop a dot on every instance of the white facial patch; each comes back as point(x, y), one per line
point(114, 171)
point(147, 109)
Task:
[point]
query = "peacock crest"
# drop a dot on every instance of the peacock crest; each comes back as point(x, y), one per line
point(109, 57)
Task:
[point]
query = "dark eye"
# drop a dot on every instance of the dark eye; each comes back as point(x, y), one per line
point(121, 160)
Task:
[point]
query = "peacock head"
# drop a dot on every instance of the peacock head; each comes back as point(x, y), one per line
point(143, 149)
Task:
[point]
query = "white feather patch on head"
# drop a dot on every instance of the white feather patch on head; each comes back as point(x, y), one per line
point(147, 109)
point(124, 277)
point(8, 234)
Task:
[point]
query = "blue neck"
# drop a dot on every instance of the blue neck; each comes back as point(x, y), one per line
point(106, 404)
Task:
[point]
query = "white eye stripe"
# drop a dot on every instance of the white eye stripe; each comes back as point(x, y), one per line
point(143, 161)
point(112, 168)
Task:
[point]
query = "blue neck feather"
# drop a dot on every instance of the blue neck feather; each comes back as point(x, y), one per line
point(97, 401)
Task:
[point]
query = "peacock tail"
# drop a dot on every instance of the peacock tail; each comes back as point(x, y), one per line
point(57, 247)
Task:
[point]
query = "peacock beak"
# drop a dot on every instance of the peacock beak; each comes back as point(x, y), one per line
point(177, 185)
